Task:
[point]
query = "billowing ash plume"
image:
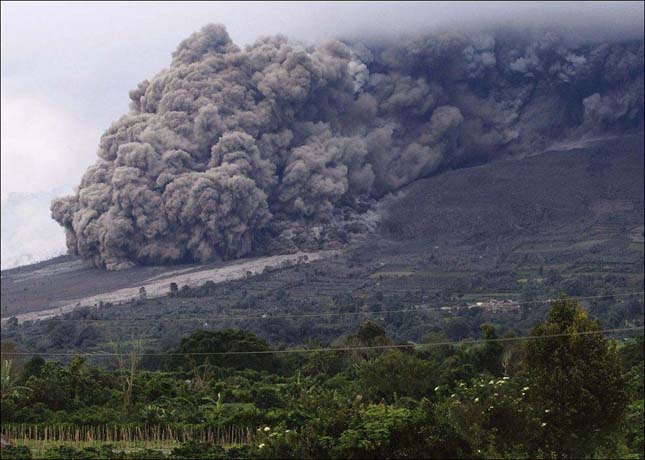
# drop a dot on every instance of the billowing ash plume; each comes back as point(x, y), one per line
point(278, 146)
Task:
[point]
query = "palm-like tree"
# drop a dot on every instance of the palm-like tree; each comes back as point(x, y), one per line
point(8, 388)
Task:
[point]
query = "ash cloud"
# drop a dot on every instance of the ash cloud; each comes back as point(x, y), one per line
point(279, 146)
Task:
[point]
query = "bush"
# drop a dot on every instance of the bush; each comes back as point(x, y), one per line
point(16, 452)
point(198, 450)
point(396, 374)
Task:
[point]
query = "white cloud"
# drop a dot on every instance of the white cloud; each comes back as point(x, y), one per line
point(43, 148)
point(44, 153)
point(28, 233)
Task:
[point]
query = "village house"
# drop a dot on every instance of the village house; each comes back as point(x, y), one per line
point(497, 306)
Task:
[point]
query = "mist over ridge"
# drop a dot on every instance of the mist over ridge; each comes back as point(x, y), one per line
point(281, 146)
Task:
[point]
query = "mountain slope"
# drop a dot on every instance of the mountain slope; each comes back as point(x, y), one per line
point(568, 220)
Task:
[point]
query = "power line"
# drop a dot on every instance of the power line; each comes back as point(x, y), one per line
point(314, 350)
point(268, 315)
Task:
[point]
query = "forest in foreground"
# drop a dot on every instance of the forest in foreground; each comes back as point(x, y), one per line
point(569, 390)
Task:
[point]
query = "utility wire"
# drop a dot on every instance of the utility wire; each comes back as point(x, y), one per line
point(315, 350)
point(268, 315)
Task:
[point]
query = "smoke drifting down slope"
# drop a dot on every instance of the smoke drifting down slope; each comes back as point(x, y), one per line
point(280, 146)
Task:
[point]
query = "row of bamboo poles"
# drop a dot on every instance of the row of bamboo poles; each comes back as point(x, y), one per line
point(130, 435)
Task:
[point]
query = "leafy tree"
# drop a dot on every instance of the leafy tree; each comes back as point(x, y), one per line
point(241, 345)
point(457, 328)
point(8, 385)
point(632, 353)
point(326, 363)
point(383, 431)
point(61, 334)
point(438, 349)
point(632, 431)
point(369, 334)
point(128, 364)
point(489, 355)
point(577, 381)
point(8, 351)
point(395, 374)
point(32, 367)
point(493, 415)
point(438, 403)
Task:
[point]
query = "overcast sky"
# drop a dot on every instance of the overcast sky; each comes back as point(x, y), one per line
point(67, 69)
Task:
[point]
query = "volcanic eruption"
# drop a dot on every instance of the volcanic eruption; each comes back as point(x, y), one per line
point(282, 146)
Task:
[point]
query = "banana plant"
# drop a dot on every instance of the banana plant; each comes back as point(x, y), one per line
point(8, 388)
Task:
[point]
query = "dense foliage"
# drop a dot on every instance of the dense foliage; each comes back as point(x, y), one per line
point(570, 393)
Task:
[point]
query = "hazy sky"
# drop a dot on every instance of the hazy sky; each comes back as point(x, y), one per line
point(67, 69)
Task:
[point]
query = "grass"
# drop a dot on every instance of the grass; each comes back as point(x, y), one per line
point(38, 447)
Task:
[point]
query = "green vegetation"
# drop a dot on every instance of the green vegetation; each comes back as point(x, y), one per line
point(571, 393)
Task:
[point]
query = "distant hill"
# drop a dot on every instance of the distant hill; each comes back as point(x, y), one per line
point(580, 201)
point(567, 220)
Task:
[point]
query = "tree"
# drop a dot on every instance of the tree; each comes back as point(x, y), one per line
point(8, 386)
point(395, 374)
point(369, 334)
point(32, 367)
point(383, 431)
point(232, 348)
point(489, 355)
point(174, 289)
point(10, 351)
point(576, 379)
point(127, 367)
point(457, 328)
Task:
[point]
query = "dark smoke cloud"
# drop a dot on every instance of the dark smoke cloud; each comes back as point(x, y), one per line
point(280, 146)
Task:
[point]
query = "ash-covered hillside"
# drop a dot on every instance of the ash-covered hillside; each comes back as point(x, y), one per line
point(569, 220)
point(281, 146)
